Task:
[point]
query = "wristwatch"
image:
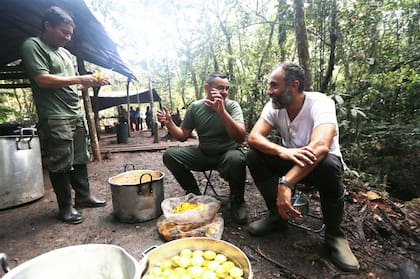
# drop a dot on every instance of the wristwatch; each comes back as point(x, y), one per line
point(286, 182)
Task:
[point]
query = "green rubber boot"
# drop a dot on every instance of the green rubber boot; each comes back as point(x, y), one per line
point(61, 185)
point(80, 182)
point(335, 239)
point(273, 222)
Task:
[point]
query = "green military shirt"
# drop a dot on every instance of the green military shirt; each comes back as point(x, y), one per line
point(213, 137)
point(51, 103)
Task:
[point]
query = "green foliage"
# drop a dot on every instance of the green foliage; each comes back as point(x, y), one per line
point(5, 111)
point(362, 181)
point(16, 106)
point(371, 47)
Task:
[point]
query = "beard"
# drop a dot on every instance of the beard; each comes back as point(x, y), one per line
point(283, 100)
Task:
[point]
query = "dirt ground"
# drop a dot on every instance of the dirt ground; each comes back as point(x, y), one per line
point(383, 236)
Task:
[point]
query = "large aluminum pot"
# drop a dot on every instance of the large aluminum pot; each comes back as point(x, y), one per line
point(137, 195)
point(172, 248)
point(99, 261)
point(21, 173)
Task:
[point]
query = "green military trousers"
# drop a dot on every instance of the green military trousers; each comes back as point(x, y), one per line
point(65, 143)
point(230, 164)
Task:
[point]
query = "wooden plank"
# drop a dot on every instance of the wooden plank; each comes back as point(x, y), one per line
point(12, 86)
point(115, 148)
point(14, 68)
point(13, 76)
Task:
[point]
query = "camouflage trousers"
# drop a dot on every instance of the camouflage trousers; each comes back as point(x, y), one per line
point(64, 142)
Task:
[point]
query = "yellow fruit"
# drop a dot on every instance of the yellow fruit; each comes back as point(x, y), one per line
point(221, 272)
point(197, 253)
point(209, 255)
point(227, 266)
point(209, 275)
point(195, 271)
point(184, 206)
point(184, 262)
point(155, 271)
point(166, 264)
point(185, 253)
point(197, 261)
point(213, 265)
point(220, 258)
point(175, 260)
point(236, 272)
point(169, 274)
point(180, 270)
point(99, 75)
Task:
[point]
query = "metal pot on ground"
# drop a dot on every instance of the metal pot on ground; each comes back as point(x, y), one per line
point(137, 195)
point(21, 173)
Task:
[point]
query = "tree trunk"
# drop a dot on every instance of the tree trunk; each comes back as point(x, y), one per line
point(333, 42)
point(89, 116)
point(231, 74)
point(193, 73)
point(282, 31)
point(256, 94)
point(302, 42)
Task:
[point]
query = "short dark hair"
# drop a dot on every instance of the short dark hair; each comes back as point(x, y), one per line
point(293, 72)
point(213, 76)
point(56, 16)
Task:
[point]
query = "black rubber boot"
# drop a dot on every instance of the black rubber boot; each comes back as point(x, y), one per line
point(273, 222)
point(80, 182)
point(61, 186)
point(335, 239)
point(239, 209)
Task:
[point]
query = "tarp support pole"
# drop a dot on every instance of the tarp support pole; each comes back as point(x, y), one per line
point(128, 106)
point(95, 111)
point(89, 115)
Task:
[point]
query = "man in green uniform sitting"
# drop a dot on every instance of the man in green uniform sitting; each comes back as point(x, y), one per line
point(62, 126)
point(220, 127)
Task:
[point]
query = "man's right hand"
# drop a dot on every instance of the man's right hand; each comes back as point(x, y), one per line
point(303, 156)
point(163, 116)
point(92, 81)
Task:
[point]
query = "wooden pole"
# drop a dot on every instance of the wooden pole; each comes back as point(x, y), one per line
point(89, 116)
point(96, 112)
point(128, 107)
point(154, 124)
point(169, 81)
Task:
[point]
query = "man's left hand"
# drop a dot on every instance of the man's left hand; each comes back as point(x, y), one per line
point(217, 103)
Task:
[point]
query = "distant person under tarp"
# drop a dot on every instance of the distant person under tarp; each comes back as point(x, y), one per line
point(122, 115)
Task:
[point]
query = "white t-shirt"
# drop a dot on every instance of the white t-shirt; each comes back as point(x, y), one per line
point(317, 109)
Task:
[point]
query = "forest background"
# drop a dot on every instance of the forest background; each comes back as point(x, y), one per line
point(365, 54)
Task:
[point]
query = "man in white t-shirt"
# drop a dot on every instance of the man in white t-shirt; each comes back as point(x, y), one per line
point(309, 151)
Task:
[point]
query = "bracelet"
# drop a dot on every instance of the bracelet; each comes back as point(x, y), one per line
point(286, 182)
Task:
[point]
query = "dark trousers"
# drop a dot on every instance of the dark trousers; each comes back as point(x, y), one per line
point(231, 166)
point(327, 176)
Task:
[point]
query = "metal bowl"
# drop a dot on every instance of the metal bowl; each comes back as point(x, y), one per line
point(170, 249)
point(80, 261)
